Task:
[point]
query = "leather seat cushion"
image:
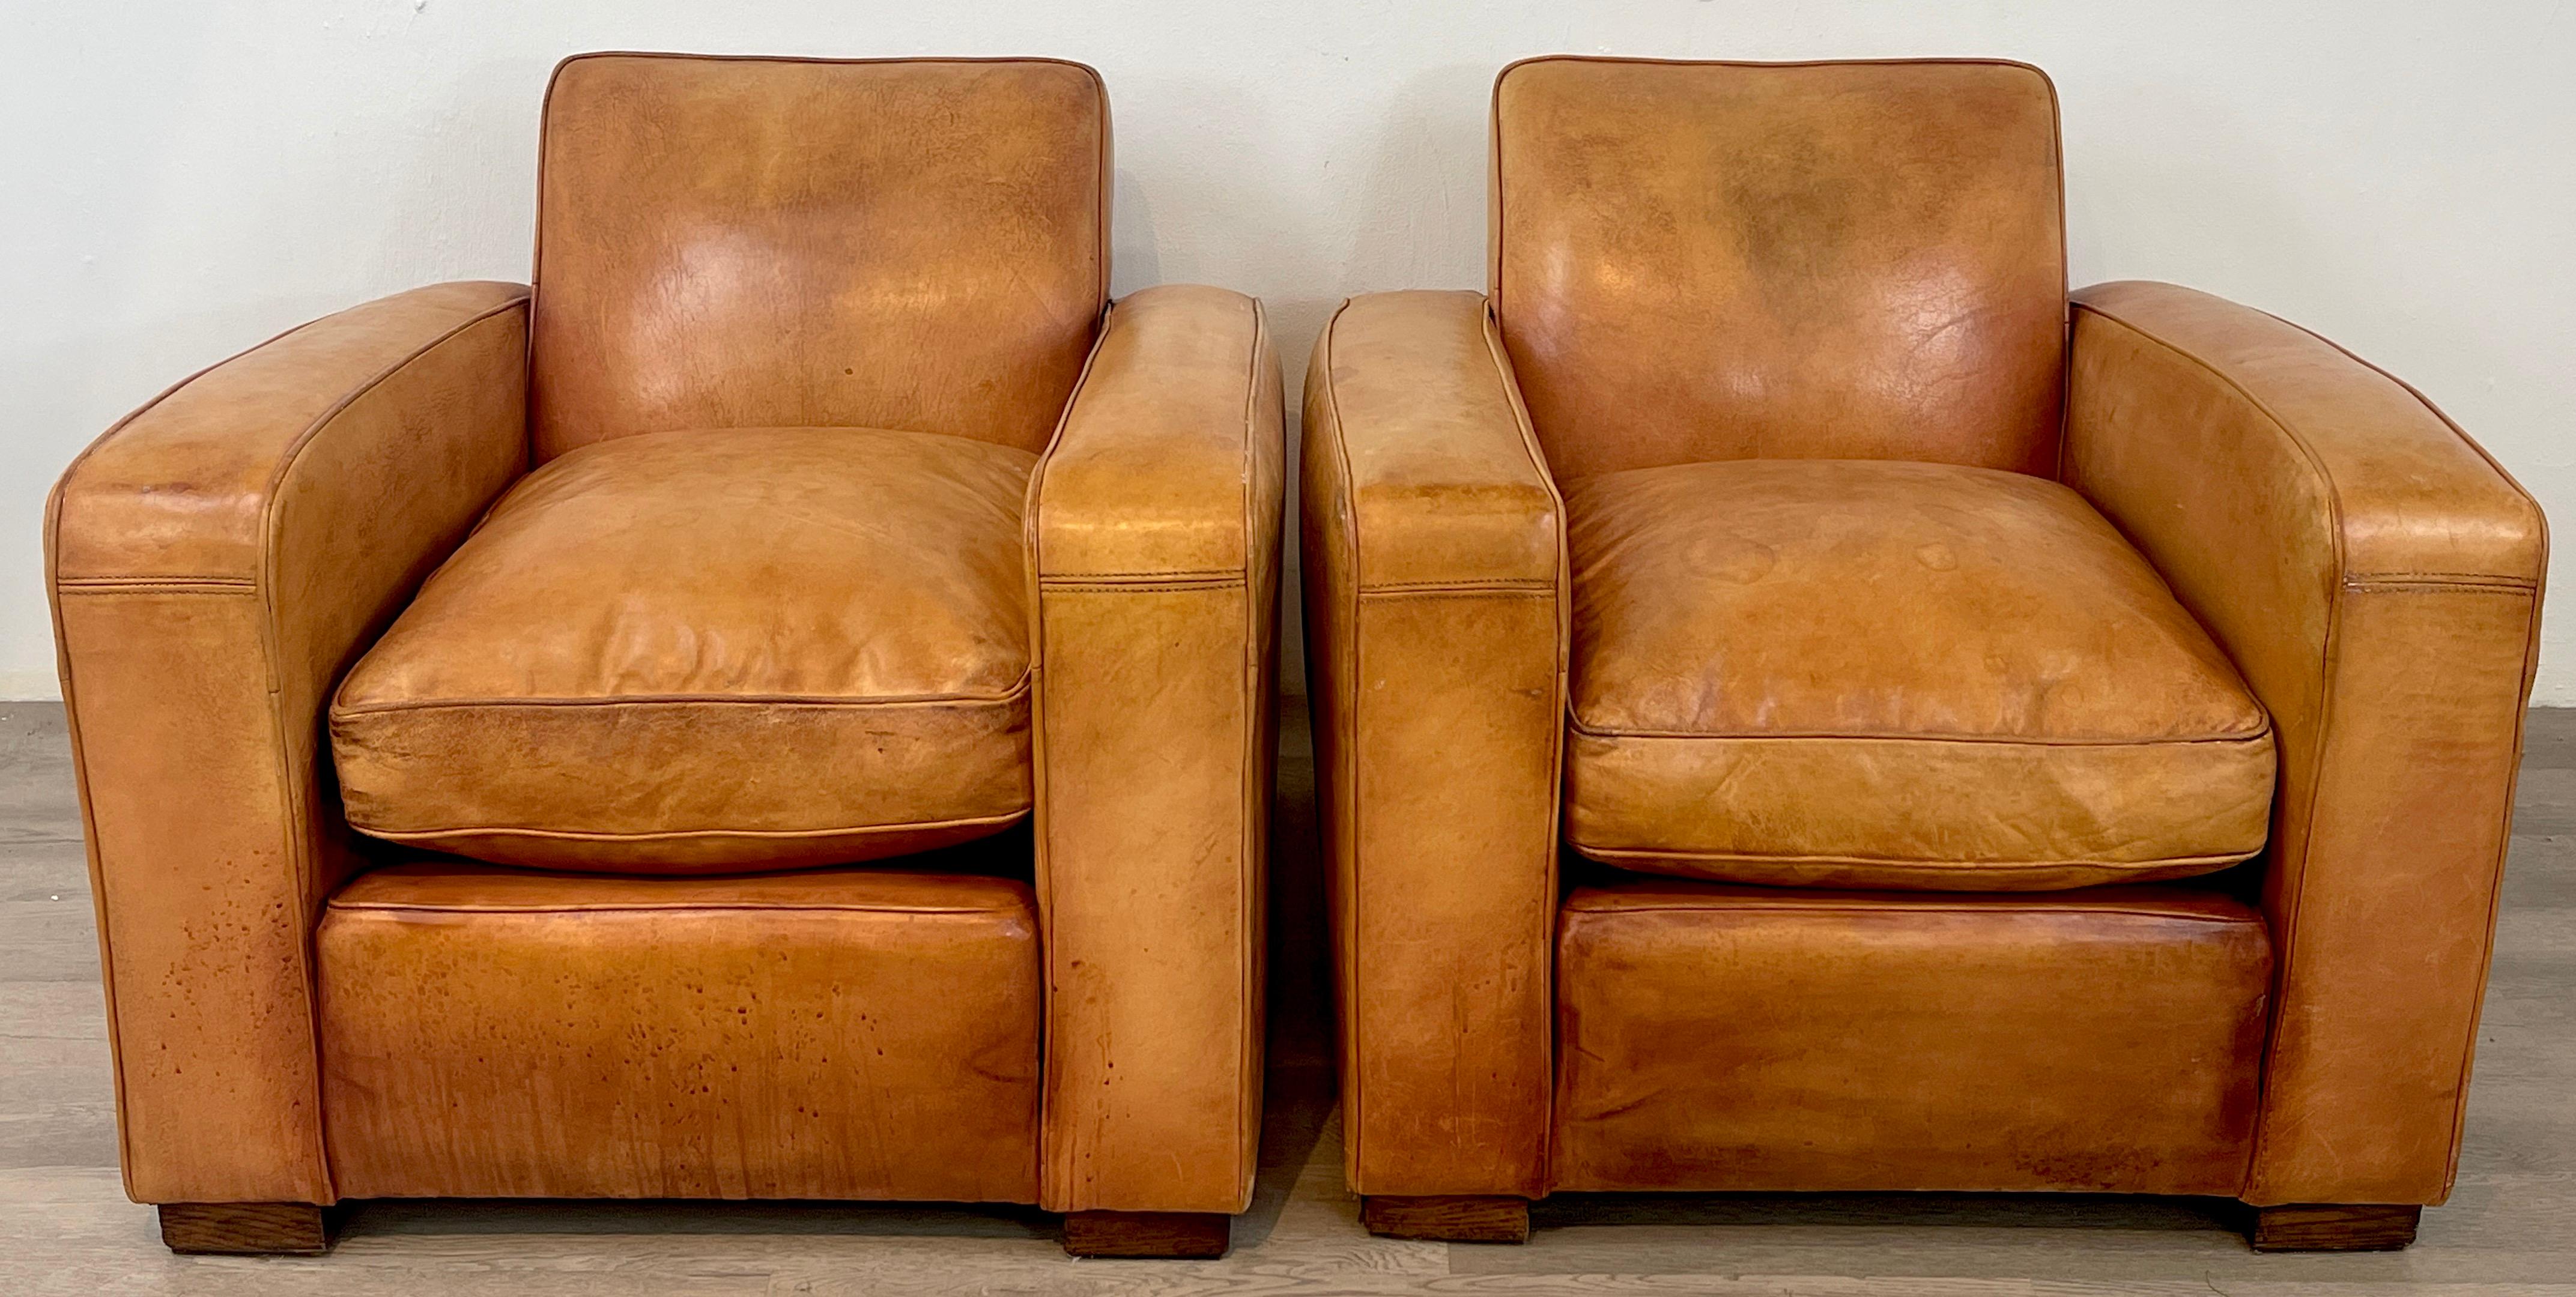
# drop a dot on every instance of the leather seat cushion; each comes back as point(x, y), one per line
point(710, 651)
point(837, 1034)
point(1850, 673)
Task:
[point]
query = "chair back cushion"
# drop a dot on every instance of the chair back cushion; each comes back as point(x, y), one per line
point(1705, 261)
point(753, 242)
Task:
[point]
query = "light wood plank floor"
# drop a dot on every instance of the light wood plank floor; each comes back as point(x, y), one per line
point(66, 1228)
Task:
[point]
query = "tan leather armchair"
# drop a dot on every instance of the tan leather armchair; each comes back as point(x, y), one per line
point(592, 741)
point(1804, 705)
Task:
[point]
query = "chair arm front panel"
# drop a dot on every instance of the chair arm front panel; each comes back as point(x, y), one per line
point(2377, 579)
point(1436, 614)
point(216, 560)
point(1154, 552)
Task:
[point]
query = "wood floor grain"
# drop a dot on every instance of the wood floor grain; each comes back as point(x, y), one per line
point(66, 1227)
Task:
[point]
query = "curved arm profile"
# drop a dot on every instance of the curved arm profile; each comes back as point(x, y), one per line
point(216, 560)
point(2377, 580)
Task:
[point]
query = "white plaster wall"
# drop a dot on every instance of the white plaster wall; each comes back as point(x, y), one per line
point(179, 178)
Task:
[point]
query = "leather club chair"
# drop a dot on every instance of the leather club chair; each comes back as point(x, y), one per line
point(687, 642)
point(1999, 742)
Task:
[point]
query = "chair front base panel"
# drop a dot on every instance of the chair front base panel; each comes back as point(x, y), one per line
point(247, 1228)
point(2326, 1227)
point(850, 1034)
point(1447, 1218)
point(1177, 1235)
point(1733, 1038)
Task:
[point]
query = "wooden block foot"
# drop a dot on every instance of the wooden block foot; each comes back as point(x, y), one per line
point(2307, 1227)
point(246, 1228)
point(1177, 1234)
point(1450, 1218)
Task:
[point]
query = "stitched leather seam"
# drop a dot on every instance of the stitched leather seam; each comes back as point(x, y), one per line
point(1041, 869)
point(684, 56)
point(2437, 585)
point(1260, 714)
point(1346, 998)
point(1465, 583)
point(671, 835)
point(2248, 919)
point(551, 704)
point(1227, 574)
point(638, 907)
point(808, 701)
point(2504, 839)
point(1908, 862)
point(2523, 583)
point(1389, 596)
point(1494, 585)
point(157, 585)
point(1104, 159)
point(2244, 739)
point(1490, 330)
point(1076, 585)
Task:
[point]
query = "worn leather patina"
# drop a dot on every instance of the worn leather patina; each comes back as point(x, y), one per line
point(817, 511)
point(2023, 740)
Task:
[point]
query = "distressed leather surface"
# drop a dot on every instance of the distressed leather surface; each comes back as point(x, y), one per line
point(2377, 579)
point(1703, 263)
point(1435, 648)
point(1697, 261)
point(1153, 552)
point(750, 648)
point(206, 599)
point(1734, 1038)
point(1858, 673)
point(763, 242)
point(850, 1033)
point(806, 327)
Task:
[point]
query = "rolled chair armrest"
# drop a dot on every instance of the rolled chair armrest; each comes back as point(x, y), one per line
point(1436, 622)
point(2377, 580)
point(215, 562)
point(1153, 532)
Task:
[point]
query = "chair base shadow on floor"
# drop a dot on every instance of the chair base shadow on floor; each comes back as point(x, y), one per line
point(1470, 1218)
point(301, 1229)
